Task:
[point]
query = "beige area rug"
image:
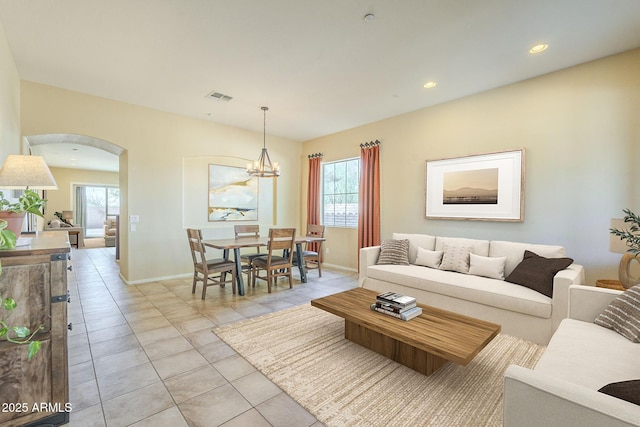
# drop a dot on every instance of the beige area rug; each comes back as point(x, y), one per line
point(304, 352)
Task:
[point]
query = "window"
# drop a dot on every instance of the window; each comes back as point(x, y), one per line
point(94, 205)
point(340, 184)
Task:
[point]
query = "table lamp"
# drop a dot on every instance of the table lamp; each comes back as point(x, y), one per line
point(20, 172)
point(67, 216)
point(625, 275)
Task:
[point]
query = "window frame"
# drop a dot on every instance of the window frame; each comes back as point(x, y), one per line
point(346, 194)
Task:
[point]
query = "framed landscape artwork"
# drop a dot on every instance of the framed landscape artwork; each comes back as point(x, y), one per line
point(233, 194)
point(484, 187)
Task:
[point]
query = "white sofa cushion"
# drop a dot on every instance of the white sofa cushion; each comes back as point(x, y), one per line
point(416, 241)
point(480, 247)
point(589, 355)
point(487, 266)
point(490, 292)
point(429, 258)
point(514, 252)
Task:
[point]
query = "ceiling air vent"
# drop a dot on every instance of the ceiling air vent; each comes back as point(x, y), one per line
point(217, 96)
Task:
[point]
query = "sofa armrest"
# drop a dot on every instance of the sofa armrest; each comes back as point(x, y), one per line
point(534, 399)
point(587, 302)
point(368, 256)
point(572, 275)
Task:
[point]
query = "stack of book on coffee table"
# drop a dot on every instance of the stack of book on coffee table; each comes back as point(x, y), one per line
point(396, 305)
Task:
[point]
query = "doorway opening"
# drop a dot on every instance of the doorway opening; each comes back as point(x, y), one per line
point(95, 205)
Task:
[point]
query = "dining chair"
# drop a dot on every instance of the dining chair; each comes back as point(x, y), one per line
point(274, 266)
point(208, 271)
point(247, 231)
point(312, 253)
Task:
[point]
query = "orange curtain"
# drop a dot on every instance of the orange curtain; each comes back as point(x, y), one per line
point(369, 199)
point(313, 194)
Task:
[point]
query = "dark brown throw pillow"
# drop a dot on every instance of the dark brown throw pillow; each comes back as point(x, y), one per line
point(536, 272)
point(625, 390)
point(394, 252)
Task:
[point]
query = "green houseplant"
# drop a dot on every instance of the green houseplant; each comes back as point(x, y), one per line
point(15, 334)
point(28, 202)
point(7, 237)
point(630, 235)
point(14, 212)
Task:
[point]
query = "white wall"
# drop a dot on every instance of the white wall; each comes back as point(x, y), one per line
point(9, 101)
point(580, 128)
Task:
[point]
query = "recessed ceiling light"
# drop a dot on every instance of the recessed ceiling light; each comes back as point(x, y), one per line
point(429, 85)
point(369, 17)
point(539, 48)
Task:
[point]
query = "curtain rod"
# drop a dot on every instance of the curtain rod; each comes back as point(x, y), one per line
point(314, 155)
point(370, 144)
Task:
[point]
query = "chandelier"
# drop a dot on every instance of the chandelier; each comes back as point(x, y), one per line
point(263, 166)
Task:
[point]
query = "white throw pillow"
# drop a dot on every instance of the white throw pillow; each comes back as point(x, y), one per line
point(487, 266)
point(456, 257)
point(416, 241)
point(429, 258)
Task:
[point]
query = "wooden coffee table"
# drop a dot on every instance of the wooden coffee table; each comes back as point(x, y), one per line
point(424, 343)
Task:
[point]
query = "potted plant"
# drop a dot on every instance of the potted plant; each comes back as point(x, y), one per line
point(14, 213)
point(631, 237)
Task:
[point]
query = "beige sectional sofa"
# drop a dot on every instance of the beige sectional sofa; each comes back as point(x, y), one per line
point(581, 358)
point(522, 312)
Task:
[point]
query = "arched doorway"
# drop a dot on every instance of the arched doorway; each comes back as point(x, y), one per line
point(86, 163)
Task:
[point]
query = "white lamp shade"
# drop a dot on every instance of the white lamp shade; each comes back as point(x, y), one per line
point(21, 172)
point(616, 244)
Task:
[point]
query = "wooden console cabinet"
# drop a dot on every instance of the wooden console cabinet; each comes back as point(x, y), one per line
point(36, 392)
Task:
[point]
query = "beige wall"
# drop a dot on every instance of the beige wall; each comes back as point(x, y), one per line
point(62, 199)
point(9, 101)
point(580, 128)
point(151, 168)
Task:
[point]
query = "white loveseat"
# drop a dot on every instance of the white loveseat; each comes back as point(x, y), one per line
point(581, 358)
point(521, 311)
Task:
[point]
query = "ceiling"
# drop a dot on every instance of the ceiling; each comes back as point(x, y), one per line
point(319, 66)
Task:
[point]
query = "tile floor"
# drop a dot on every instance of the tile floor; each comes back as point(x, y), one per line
point(145, 355)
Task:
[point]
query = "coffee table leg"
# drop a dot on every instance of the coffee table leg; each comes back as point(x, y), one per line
point(409, 356)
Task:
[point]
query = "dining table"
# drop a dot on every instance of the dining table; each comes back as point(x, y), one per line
point(236, 244)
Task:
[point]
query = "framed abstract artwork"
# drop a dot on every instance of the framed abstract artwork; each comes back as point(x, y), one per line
point(484, 187)
point(233, 194)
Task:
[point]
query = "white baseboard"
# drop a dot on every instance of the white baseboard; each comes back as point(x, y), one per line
point(156, 279)
point(189, 275)
point(340, 267)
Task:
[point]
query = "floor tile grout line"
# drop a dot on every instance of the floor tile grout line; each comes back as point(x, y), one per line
point(201, 310)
